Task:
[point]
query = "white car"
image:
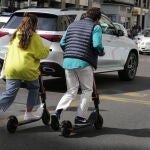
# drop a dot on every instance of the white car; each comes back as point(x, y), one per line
point(121, 27)
point(121, 53)
point(143, 41)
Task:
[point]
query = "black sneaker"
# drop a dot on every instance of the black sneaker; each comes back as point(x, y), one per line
point(80, 121)
point(55, 122)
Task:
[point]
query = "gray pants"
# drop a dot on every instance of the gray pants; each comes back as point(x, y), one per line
point(82, 77)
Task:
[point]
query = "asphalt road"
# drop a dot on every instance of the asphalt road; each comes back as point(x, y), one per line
point(124, 106)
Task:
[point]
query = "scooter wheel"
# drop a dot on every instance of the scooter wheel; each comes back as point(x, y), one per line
point(12, 124)
point(66, 128)
point(99, 122)
point(46, 117)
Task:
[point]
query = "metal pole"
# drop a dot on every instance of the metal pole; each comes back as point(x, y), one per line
point(63, 4)
point(141, 14)
point(90, 3)
point(29, 3)
point(77, 3)
point(101, 2)
point(131, 17)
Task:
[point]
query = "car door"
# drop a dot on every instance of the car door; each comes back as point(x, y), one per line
point(112, 60)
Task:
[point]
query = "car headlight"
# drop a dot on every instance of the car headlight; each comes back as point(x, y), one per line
point(138, 40)
point(142, 43)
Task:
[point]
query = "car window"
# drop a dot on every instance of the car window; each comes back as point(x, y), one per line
point(64, 21)
point(107, 26)
point(47, 22)
point(83, 16)
point(117, 26)
point(1, 24)
point(14, 22)
point(146, 33)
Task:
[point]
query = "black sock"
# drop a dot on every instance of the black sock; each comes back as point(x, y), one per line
point(58, 112)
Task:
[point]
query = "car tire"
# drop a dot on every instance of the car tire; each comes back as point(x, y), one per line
point(130, 68)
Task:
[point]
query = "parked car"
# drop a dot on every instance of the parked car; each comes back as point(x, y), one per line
point(143, 41)
point(121, 27)
point(121, 53)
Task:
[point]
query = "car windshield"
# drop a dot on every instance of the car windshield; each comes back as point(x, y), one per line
point(46, 22)
point(146, 33)
point(107, 26)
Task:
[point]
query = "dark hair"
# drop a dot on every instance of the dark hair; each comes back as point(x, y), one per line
point(94, 13)
point(26, 27)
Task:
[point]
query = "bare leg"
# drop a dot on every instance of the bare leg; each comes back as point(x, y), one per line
point(29, 109)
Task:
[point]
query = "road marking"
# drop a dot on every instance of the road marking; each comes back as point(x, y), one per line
point(3, 122)
point(126, 100)
point(135, 94)
point(102, 97)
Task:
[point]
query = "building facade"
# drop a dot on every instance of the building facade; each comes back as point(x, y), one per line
point(119, 11)
point(141, 13)
point(129, 12)
point(12, 5)
point(126, 12)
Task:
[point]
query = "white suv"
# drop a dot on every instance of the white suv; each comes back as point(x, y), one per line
point(121, 53)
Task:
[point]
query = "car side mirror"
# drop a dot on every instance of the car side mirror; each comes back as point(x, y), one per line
point(120, 33)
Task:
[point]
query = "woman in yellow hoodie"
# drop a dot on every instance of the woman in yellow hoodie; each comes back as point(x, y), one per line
point(22, 64)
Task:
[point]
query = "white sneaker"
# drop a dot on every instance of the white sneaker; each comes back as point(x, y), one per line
point(39, 111)
point(30, 116)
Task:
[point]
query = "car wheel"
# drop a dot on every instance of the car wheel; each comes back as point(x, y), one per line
point(130, 68)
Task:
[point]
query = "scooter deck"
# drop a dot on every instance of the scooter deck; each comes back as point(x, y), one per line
point(27, 121)
point(77, 127)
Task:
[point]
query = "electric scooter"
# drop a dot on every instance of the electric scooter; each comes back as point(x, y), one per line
point(13, 122)
point(95, 119)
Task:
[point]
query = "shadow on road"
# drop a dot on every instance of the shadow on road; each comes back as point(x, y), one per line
point(36, 129)
point(106, 84)
point(110, 84)
point(90, 132)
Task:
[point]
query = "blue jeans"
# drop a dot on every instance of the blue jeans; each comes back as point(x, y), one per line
point(12, 87)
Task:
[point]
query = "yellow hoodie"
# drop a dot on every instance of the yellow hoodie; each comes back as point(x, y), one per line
point(24, 64)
